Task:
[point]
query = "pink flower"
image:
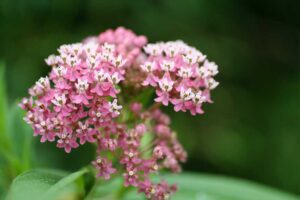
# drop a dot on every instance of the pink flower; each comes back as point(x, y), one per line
point(148, 188)
point(167, 65)
point(163, 130)
point(149, 66)
point(104, 89)
point(154, 49)
point(109, 144)
point(163, 97)
point(166, 84)
point(163, 190)
point(140, 129)
point(136, 107)
point(45, 129)
point(67, 141)
point(104, 167)
point(53, 60)
point(85, 133)
point(149, 166)
point(81, 96)
point(150, 80)
point(114, 108)
point(130, 157)
point(184, 103)
point(26, 104)
point(158, 152)
point(131, 177)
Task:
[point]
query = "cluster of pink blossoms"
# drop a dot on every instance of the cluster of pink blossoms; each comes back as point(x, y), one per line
point(79, 96)
point(78, 103)
point(181, 75)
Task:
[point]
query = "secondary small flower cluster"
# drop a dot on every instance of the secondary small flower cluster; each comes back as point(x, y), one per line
point(130, 46)
point(138, 162)
point(78, 103)
point(127, 43)
point(78, 97)
point(181, 75)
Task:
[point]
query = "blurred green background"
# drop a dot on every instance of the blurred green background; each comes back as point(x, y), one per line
point(253, 128)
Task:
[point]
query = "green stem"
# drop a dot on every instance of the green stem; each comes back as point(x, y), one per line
point(90, 195)
point(122, 192)
point(90, 182)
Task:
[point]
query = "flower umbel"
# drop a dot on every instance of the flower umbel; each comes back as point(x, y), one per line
point(90, 97)
point(182, 72)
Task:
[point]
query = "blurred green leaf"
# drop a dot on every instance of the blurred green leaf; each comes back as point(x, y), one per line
point(61, 185)
point(4, 142)
point(205, 187)
point(47, 185)
point(212, 187)
point(33, 184)
point(51, 184)
point(17, 154)
point(8, 160)
point(21, 134)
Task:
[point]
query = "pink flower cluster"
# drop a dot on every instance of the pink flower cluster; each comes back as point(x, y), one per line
point(180, 74)
point(128, 44)
point(78, 103)
point(79, 97)
point(137, 161)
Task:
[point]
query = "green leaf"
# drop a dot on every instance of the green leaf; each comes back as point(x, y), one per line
point(50, 185)
point(16, 158)
point(22, 135)
point(204, 187)
point(108, 189)
point(4, 141)
point(8, 160)
point(212, 187)
point(47, 185)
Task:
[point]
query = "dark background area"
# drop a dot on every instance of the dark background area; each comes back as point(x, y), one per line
point(252, 130)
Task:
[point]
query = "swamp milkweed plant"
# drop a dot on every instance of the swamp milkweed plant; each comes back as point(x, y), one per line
point(100, 91)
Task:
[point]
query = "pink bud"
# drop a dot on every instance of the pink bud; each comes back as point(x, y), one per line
point(136, 107)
